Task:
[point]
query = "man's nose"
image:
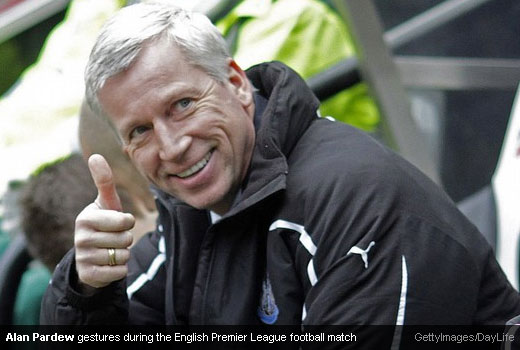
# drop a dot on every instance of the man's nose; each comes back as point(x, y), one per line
point(173, 144)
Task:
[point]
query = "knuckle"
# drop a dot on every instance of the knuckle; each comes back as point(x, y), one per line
point(84, 275)
point(122, 271)
point(80, 222)
point(128, 221)
point(80, 258)
point(116, 273)
point(121, 240)
point(91, 272)
point(84, 217)
point(84, 238)
point(95, 273)
point(78, 241)
point(128, 238)
point(124, 256)
point(85, 257)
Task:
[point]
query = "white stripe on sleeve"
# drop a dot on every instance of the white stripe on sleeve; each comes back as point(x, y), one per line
point(150, 273)
point(306, 241)
point(402, 306)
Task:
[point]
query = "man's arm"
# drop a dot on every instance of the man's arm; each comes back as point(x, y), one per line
point(64, 304)
point(100, 255)
point(135, 300)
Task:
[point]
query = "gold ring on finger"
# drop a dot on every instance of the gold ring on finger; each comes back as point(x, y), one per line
point(111, 257)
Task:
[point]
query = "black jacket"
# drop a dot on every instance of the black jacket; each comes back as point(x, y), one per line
point(330, 227)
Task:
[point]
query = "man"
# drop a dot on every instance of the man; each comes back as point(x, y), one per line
point(268, 213)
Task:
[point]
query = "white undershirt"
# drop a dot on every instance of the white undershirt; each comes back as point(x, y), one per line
point(214, 217)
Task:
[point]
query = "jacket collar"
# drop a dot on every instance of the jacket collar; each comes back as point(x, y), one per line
point(292, 106)
point(290, 109)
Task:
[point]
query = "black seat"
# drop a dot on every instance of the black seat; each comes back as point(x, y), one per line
point(13, 263)
point(480, 208)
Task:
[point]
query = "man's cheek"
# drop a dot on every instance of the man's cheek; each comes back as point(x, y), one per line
point(142, 163)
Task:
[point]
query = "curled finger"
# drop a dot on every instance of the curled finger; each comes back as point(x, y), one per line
point(94, 239)
point(104, 257)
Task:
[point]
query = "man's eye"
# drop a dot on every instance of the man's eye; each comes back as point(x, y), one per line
point(180, 107)
point(183, 103)
point(138, 131)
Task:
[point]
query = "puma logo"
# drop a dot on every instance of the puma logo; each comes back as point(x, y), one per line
point(363, 253)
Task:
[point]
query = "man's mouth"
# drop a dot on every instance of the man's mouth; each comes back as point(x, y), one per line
point(197, 167)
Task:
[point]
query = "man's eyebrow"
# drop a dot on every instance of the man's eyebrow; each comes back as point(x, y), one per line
point(179, 92)
point(179, 89)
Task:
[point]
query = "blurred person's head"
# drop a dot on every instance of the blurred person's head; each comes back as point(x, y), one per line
point(50, 202)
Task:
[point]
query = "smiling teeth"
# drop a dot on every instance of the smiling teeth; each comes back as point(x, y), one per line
point(201, 164)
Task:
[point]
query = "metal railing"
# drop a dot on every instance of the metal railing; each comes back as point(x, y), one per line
point(388, 75)
point(26, 14)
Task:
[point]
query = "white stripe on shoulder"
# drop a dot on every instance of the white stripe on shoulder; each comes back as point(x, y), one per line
point(162, 245)
point(402, 305)
point(312, 273)
point(305, 238)
point(150, 273)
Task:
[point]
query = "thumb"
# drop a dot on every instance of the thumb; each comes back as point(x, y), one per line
point(103, 179)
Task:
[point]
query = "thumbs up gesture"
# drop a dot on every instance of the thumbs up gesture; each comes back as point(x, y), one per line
point(102, 235)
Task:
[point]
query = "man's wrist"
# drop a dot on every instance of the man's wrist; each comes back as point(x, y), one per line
point(84, 289)
point(79, 287)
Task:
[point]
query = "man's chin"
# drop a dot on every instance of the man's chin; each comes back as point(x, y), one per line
point(212, 198)
point(218, 206)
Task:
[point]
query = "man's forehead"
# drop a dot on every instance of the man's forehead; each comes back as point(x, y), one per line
point(160, 60)
point(165, 51)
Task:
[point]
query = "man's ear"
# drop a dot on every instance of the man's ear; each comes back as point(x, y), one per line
point(240, 83)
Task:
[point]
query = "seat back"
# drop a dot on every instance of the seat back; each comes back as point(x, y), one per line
point(506, 186)
point(13, 263)
point(480, 208)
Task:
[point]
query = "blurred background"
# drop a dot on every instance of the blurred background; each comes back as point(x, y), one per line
point(435, 80)
point(467, 122)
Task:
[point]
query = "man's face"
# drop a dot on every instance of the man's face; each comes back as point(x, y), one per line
point(190, 135)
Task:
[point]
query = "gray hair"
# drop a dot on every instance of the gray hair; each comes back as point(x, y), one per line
point(123, 36)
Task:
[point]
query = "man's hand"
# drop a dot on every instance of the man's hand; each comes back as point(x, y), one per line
point(102, 229)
